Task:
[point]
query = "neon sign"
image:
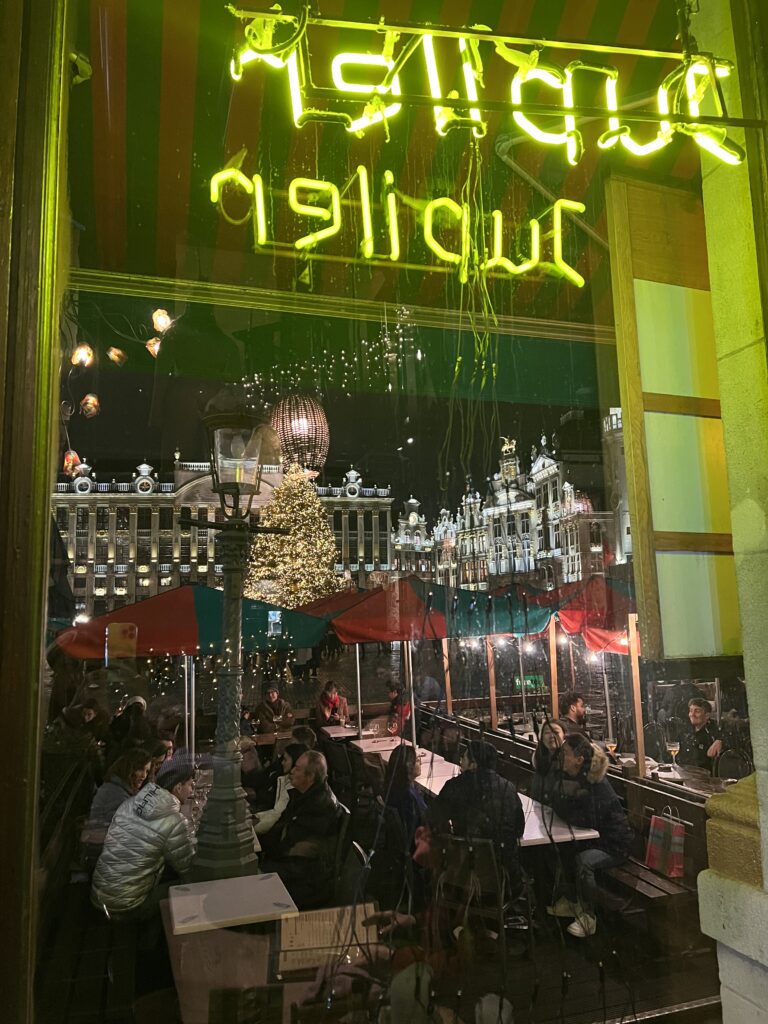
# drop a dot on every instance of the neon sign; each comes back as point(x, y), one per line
point(365, 91)
point(447, 228)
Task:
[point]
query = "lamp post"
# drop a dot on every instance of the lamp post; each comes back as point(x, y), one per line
point(225, 839)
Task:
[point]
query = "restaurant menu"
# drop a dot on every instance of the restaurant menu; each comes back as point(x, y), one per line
point(314, 937)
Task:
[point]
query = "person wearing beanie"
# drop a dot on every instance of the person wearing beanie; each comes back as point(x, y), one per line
point(274, 713)
point(147, 833)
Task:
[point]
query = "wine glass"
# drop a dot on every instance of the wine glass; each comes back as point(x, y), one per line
point(673, 747)
point(610, 746)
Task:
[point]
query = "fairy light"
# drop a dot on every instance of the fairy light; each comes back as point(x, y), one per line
point(161, 320)
point(82, 356)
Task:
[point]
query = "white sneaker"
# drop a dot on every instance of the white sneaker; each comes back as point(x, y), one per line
point(584, 925)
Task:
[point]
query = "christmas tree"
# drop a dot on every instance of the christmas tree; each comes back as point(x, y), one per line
point(291, 569)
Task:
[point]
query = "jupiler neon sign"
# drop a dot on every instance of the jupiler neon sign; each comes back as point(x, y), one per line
point(320, 201)
point(367, 87)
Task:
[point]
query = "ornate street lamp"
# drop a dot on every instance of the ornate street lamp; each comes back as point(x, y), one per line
point(225, 839)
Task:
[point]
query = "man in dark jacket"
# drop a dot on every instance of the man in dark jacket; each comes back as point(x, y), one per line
point(573, 713)
point(300, 846)
point(585, 799)
point(700, 745)
point(274, 713)
point(479, 804)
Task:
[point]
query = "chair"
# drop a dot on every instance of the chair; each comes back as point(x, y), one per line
point(343, 843)
point(339, 770)
point(655, 744)
point(350, 887)
point(471, 879)
point(732, 764)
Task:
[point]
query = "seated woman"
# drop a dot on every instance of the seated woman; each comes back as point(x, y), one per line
point(401, 792)
point(587, 800)
point(546, 761)
point(126, 777)
point(399, 710)
point(266, 819)
point(331, 706)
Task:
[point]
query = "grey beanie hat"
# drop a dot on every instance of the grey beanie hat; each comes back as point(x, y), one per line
point(175, 770)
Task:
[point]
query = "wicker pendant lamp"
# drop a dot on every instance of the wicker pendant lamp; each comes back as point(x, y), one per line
point(301, 425)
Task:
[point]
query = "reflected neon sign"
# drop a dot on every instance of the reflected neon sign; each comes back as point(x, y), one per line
point(446, 227)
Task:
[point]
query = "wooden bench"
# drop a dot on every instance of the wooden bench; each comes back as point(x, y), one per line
point(667, 907)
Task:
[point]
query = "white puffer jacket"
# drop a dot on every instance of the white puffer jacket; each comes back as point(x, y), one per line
point(268, 818)
point(146, 831)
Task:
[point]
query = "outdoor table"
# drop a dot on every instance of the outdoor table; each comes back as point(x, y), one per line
point(378, 744)
point(542, 825)
point(344, 732)
point(223, 902)
point(265, 739)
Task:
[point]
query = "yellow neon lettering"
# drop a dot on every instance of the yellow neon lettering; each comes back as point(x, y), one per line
point(560, 268)
point(365, 210)
point(460, 214)
point(503, 262)
point(234, 177)
point(259, 211)
point(575, 143)
point(310, 210)
point(390, 207)
point(433, 76)
point(554, 78)
point(375, 112)
point(472, 68)
point(623, 133)
point(712, 138)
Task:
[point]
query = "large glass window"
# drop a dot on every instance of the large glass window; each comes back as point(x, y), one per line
point(462, 291)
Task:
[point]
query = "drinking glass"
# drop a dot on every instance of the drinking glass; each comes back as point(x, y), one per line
point(673, 747)
point(610, 746)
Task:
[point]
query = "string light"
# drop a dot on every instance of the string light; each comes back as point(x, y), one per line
point(82, 356)
point(161, 320)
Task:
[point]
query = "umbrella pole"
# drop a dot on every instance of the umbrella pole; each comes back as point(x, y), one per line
point(192, 706)
point(447, 675)
point(409, 676)
point(359, 694)
point(607, 692)
point(553, 681)
point(491, 663)
point(522, 676)
point(186, 702)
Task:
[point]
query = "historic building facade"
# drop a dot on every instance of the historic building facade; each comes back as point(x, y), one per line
point(412, 543)
point(126, 540)
point(535, 527)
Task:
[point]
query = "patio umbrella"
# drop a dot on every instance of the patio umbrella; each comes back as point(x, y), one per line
point(188, 620)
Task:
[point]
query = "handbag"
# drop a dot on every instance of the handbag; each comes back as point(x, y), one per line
point(666, 842)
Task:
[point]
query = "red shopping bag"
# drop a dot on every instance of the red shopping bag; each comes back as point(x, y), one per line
point(666, 842)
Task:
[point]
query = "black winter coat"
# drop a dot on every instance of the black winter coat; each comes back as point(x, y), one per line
point(589, 801)
point(310, 818)
point(481, 805)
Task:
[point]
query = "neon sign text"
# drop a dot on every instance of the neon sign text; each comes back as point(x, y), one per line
point(367, 91)
point(450, 231)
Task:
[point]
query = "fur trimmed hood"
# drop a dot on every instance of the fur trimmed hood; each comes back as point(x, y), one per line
point(598, 769)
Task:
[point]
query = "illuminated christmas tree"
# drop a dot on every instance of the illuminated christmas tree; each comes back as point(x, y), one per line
point(291, 569)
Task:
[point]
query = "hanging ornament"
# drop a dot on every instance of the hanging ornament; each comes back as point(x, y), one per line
point(117, 356)
point(90, 406)
point(161, 320)
point(82, 356)
point(71, 462)
point(153, 347)
point(303, 431)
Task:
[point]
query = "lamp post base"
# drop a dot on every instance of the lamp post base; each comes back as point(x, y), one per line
point(225, 839)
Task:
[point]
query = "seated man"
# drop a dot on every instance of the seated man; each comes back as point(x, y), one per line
point(301, 845)
point(147, 832)
point(573, 713)
point(479, 804)
point(701, 745)
point(274, 713)
point(585, 799)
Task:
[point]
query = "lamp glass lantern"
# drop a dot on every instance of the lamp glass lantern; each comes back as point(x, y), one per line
point(235, 441)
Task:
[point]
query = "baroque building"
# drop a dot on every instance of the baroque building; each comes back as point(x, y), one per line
point(412, 543)
point(127, 540)
point(536, 527)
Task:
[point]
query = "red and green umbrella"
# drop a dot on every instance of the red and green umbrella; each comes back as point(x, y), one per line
point(188, 620)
